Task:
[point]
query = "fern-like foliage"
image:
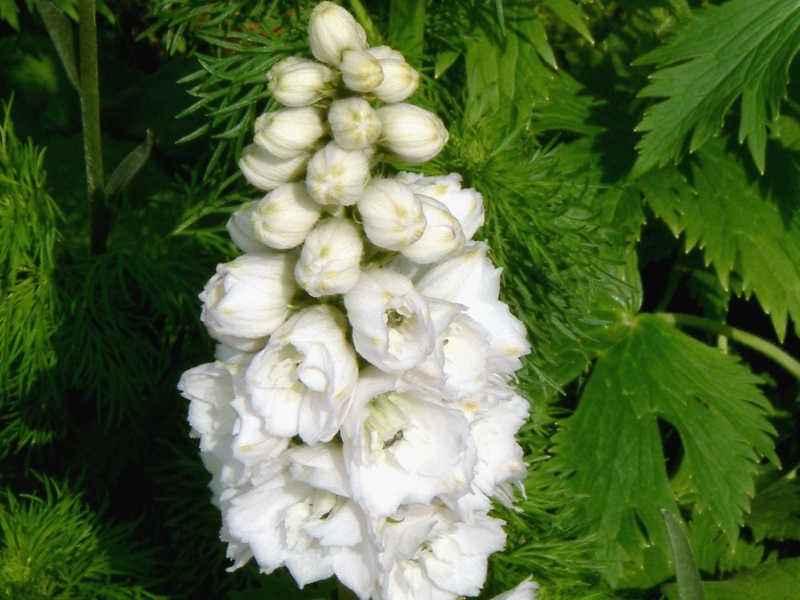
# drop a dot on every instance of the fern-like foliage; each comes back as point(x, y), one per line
point(742, 48)
point(29, 220)
point(54, 547)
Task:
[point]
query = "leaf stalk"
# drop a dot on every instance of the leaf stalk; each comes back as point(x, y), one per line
point(736, 335)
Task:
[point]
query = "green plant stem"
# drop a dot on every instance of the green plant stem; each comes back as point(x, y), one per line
point(90, 115)
point(736, 335)
point(362, 16)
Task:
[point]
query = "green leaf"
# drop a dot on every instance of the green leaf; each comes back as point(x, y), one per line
point(775, 511)
point(689, 584)
point(742, 48)
point(407, 26)
point(9, 13)
point(60, 30)
point(129, 166)
point(777, 581)
point(613, 446)
point(571, 14)
point(739, 231)
point(505, 75)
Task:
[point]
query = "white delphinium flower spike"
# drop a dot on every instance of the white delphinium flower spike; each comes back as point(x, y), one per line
point(337, 176)
point(354, 124)
point(331, 31)
point(289, 132)
point(302, 382)
point(330, 259)
point(391, 214)
point(248, 298)
point(297, 82)
point(390, 319)
point(411, 134)
point(285, 216)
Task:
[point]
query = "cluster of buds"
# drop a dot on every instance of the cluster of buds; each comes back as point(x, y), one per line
point(360, 415)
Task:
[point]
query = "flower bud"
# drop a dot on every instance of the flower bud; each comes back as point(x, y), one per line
point(241, 231)
point(400, 80)
point(360, 71)
point(465, 205)
point(330, 259)
point(412, 134)
point(331, 31)
point(299, 82)
point(354, 124)
point(285, 216)
point(289, 132)
point(391, 214)
point(442, 236)
point(336, 175)
point(266, 171)
point(248, 298)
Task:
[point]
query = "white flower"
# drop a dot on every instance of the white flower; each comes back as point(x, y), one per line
point(500, 459)
point(336, 175)
point(289, 132)
point(331, 31)
point(442, 235)
point(330, 259)
point(525, 590)
point(285, 216)
point(430, 553)
point(240, 228)
point(302, 382)
point(300, 82)
point(361, 72)
point(400, 80)
point(465, 205)
point(353, 122)
point(248, 298)
point(391, 214)
point(410, 133)
point(404, 448)
point(391, 321)
point(313, 532)
point(266, 171)
point(470, 278)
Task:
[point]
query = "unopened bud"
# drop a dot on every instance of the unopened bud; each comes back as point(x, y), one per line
point(400, 80)
point(360, 71)
point(391, 214)
point(330, 259)
point(299, 82)
point(354, 123)
point(336, 175)
point(289, 132)
point(331, 31)
point(266, 171)
point(285, 216)
point(442, 236)
point(412, 134)
point(465, 205)
point(241, 229)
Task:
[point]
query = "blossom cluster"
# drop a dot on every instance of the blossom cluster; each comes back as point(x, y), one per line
point(360, 415)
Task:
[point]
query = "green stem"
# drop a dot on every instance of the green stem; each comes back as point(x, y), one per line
point(90, 115)
point(362, 16)
point(737, 335)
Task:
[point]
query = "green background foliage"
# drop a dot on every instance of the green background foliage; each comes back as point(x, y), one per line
point(639, 162)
